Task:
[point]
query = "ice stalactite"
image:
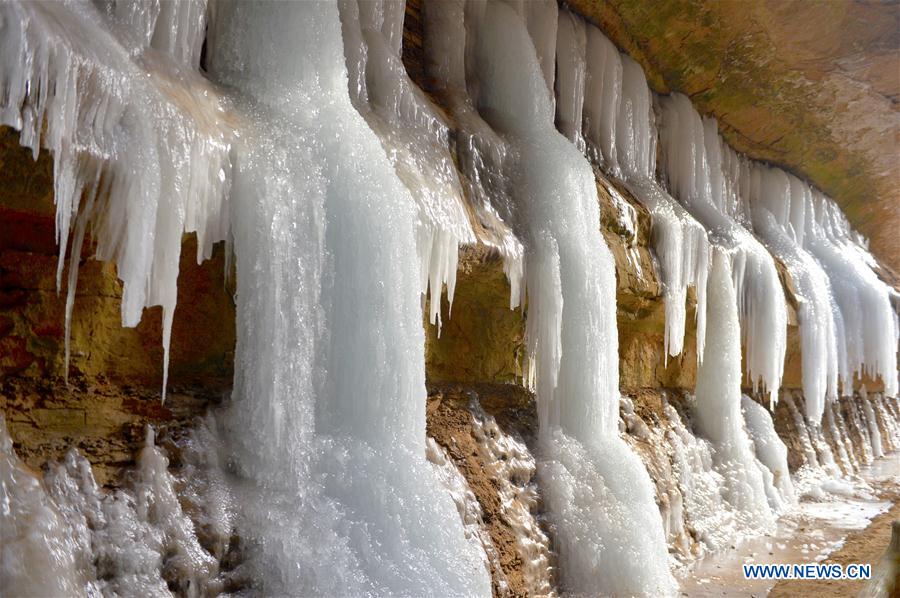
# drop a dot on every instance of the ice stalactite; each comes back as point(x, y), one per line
point(603, 90)
point(571, 69)
point(414, 135)
point(693, 165)
point(82, 83)
point(327, 419)
point(480, 153)
point(615, 114)
point(870, 331)
point(596, 490)
point(718, 409)
point(871, 423)
point(679, 241)
point(778, 207)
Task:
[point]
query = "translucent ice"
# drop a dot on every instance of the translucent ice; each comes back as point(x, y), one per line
point(106, 92)
point(595, 488)
point(693, 165)
point(869, 339)
point(64, 536)
point(413, 134)
point(679, 241)
point(329, 362)
point(718, 408)
point(774, 197)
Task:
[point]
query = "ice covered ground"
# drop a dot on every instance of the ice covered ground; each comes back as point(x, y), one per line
point(808, 533)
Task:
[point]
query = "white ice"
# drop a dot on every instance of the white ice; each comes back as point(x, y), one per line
point(327, 419)
point(692, 153)
point(718, 408)
point(597, 491)
point(106, 92)
point(775, 197)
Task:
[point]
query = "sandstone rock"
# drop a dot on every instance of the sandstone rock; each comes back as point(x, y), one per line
point(811, 86)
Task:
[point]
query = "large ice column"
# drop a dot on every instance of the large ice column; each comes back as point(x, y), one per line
point(869, 321)
point(775, 196)
point(413, 133)
point(78, 82)
point(327, 421)
point(718, 408)
point(599, 496)
point(692, 152)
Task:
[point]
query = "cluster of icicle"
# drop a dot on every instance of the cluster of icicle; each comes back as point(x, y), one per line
point(750, 210)
point(332, 175)
point(138, 137)
point(604, 106)
point(495, 62)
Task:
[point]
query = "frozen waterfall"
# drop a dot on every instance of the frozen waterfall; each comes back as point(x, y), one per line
point(294, 133)
point(597, 491)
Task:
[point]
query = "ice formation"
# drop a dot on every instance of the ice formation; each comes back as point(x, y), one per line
point(692, 153)
point(329, 365)
point(704, 510)
point(596, 490)
point(513, 467)
point(467, 506)
point(480, 152)
point(137, 541)
point(771, 453)
point(329, 361)
point(345, 197)
point(615, 116)
point(778, 206)
point(413, 134)
point(869, 338)
point(718, 409)
point(105, 92)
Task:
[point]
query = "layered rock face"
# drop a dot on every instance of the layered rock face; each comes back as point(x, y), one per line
point(475, 361)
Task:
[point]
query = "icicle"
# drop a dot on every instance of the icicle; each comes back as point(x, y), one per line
point(718, 409)
point(596, 489)
point(480, 153)
point(679, 241)
point(413, 134)
point(692, 151)
point(80, 84)
point(603, 90)
point(571, 44)
point(774, 198)
point(867, 332)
